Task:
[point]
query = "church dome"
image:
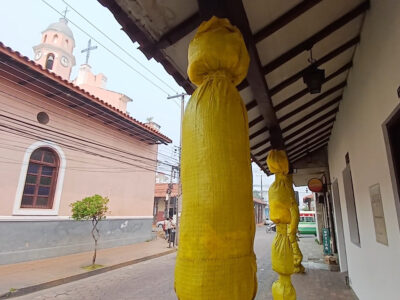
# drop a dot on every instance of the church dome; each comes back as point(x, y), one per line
point(62, 27)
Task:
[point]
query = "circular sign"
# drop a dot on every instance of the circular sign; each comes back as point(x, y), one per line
point(315, 185)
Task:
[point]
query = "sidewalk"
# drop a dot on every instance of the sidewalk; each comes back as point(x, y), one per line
point(315, 284)
point(31, 276)
point(318, 282)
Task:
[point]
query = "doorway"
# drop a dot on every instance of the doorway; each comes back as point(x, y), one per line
point(391, 132)
point(341, 244)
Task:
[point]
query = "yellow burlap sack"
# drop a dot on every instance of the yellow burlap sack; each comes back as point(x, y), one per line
point(215, 257)
point(280, 192)
point(280, 199)
point(292, 232)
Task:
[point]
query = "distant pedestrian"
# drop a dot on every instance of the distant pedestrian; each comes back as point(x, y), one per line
point(167, 226)
point(171, 238)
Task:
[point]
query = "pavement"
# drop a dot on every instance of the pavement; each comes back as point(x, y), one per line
point(150, 274)
point(27, 277)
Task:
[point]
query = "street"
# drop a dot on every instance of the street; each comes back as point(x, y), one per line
point(153, 279)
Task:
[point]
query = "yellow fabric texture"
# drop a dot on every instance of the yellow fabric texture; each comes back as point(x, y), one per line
point(292, 232)
point(216, 259)
point(280, 196)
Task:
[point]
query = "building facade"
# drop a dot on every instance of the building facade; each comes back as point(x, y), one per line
point(61, 144)
point(259, 210)
point(165, 200)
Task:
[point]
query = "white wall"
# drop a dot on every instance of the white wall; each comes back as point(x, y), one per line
point(369, 98)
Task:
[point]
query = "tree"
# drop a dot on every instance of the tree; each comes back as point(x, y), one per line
point(92, 208)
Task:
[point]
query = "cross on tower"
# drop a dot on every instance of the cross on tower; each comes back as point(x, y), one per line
point(88, 49)
point(65, 12)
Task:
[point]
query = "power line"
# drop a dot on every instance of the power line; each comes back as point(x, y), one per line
point(122, 49)
point(30, 135)
point(77, 147)
point(112, 53)
point(81, 141)
point(140, 134)
point(51, 99)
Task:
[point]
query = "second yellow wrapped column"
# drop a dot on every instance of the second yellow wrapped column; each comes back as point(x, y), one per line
point(280, 196)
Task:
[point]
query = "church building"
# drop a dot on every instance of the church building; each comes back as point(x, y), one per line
point(61, 141)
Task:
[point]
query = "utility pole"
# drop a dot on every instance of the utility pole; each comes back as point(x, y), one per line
point(261, 188)
point(168, 195)
point(182, 96)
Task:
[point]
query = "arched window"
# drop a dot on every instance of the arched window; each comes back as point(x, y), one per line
point(66, 42)
point(41, 179)
point(45, 38)
point(50, 61)
point(55, 38)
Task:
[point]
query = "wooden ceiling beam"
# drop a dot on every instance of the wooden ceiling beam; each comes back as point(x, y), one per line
point(258, 145)
point(312, 114)
point(251, 105)
point(339, 71)
point(311, 133)
point(301, 155)
point(255, 121)
point(285, 19)
point(260, 164)
point(309, 140)
point(263, 152)
point(294, 156)
point(235, 12)
point(137, 34)
point(317, 37)
point(326, 58)
point(311, 150)
point(312, 124)
point(258, 132)
point(307, 147)
point(305, 91)
point(313, 101)
point(175, 34)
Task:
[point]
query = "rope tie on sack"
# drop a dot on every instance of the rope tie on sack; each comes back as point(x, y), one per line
point(218, 75)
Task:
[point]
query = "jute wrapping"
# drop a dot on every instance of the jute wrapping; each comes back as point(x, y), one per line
point(280, 196)
point(216, 258)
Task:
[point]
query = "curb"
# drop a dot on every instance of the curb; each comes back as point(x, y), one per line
point(53, 283)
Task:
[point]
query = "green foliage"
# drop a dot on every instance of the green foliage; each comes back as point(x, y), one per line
point(90, 208)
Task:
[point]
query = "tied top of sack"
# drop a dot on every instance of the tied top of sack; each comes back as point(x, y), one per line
point(217, 51)
point(277, 162)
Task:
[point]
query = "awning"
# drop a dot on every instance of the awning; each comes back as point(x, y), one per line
point(282, 113)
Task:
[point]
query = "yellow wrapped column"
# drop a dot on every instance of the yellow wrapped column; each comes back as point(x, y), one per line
point(215, 257)
point(292, 231)
point(280, 201)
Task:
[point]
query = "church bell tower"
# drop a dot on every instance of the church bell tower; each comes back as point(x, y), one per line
point(55, 49)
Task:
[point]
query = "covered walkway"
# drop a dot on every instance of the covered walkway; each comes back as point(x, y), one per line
point(322, 85)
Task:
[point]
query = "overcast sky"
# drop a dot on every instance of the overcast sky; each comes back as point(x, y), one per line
point(21, 24)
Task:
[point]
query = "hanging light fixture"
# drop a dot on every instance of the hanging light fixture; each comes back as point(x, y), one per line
point(313, 77)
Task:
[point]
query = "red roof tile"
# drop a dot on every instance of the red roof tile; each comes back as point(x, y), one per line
point(161, 190)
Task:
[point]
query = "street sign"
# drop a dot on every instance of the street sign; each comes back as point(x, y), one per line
point(315, 185)
point(326, 241)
